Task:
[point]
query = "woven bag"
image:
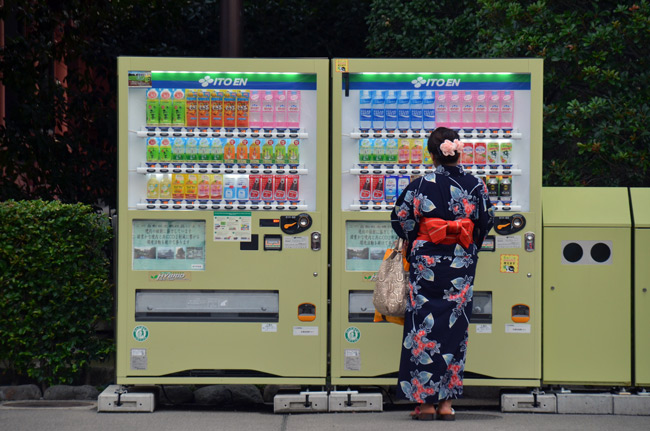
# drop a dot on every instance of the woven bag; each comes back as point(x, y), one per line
point(392, 282)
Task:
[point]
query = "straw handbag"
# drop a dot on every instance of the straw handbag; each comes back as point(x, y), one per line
point(392, 282)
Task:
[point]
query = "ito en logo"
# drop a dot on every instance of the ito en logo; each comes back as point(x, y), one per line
point(206, 81)
point(419, 82)
point(140, 333)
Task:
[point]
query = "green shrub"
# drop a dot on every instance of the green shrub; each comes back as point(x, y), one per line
point(54, 289)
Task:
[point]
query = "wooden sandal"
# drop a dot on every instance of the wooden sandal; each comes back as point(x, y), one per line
point(447, 416)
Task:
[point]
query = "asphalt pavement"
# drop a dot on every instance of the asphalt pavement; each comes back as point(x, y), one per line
point(86, 417)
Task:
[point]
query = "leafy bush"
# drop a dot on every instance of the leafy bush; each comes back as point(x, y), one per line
point(54, 289)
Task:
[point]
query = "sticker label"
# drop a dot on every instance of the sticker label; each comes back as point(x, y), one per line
point(170, 276)
point(140, 333)
point(517, 328)
point(138, 359)
point(342, 65)
point(305, 330)
point(509, 264)
point(269, 327)
point(352, 334)
point(484, 329)
point(296, 242)
point(513, 241)
point(352, 360)
point(232, 226)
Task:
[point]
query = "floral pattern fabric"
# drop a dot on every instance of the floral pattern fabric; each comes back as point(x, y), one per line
point(441, 282)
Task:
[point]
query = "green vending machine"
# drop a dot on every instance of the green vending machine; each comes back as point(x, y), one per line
point(640, 198)
point(382, 114)
point(223, 221)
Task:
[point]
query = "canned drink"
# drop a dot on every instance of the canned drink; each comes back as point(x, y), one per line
point(493, 188)
point(505, 154)
point(493, 154)
point(480, 150)
point(467, 158)
point(505, 190)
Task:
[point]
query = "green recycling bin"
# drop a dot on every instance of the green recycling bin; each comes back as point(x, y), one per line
point(586, 286)
point(640, 198)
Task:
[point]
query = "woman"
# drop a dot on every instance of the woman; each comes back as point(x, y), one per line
point(445, 217)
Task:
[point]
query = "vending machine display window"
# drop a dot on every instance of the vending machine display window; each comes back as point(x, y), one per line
point(168, 245)
point(366, 243)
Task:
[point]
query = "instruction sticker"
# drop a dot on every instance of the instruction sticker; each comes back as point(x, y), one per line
point(269, 327)
point(517, 328)
point(301, 242)
point(342, 65)
point(305, 330)
point(509, 264)
point(484, 329)
point(352, 358)
point(513, 241)
point(233, 226)
point(138, 359)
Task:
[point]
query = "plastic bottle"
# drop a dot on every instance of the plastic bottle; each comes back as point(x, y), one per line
point(378, 110)
point(467, 109)
point(480, 110)
point(390, 112)
point(166, 187)
point(293, 109)
point(391, 151)
point(494, 109)
point(268, 119)
point(153, 150)
point(507, 109)
point(255, 115)
point(416, 111)
point(191, 150)
point(442, 108)
point(404, 110)
point(178, 149)
point(429, 111)
point(365, 110)
point(153, 187)
point(294, 152)
point(280, 107)
point(454, 110)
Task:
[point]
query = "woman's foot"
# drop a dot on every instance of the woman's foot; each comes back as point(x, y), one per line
point(424, 412)
point(445, 412)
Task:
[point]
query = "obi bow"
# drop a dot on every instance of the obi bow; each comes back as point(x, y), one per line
point(441, 231)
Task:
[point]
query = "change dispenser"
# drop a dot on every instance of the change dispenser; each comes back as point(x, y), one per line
point(372, 160)
point(587, 286)
point(640, 198)
point(223, 238)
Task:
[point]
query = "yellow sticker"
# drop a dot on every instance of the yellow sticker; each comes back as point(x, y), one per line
point(509, 263)
point(342, 65)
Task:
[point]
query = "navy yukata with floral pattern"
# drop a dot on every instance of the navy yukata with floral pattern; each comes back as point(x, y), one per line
point(440, 282)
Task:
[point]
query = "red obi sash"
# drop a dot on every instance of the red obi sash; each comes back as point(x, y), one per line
point(441, 231)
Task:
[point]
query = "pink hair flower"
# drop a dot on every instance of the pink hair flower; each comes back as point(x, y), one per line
point(449, 148)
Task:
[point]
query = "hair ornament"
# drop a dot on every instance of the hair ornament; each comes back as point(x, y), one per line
point(449, 148)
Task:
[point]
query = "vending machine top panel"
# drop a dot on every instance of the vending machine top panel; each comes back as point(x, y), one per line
point(641, 206)
point(437, 81)
point(223, 80)
point(586, 206)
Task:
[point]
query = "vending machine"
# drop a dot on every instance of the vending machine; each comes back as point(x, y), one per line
point(223, 221)
point(382, 114)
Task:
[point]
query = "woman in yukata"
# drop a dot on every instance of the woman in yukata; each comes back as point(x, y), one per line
point(445, 217)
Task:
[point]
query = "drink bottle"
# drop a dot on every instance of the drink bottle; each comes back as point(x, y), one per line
point(255, 153)
point(216, 150)
point(454, 110)
point(178, 149)
point(241, 189)
point(293, 109)
point(203, 189)
point(204, 155)
point(390, 111)
point(191, 112)
point(178, 107)
point(242, 152)
point(378, 110)
point(203, 107)
point(166, 187)
point(494, 109)
point(391, 151)
point(429, 111)
point(268, 117)
point(243, 106)
point(507, 109)
point(365, 110)
point(229, 110)
point(480, 153)
point(280, 107)
point(229, 183)
point(404, 110)
point(416, 111)
point(153, 188)
point(442, 108)
point(153, 150)
point(191, 187)
point(467, 109)
point(294, 152)
point(216, 109)
point(191, 150)
point(255, 188)
point(480, 110)
point(255, 113)
point(166, 107)
point(216, 187)
point(153, 107)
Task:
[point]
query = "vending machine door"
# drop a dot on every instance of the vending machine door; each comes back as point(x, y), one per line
point(223, 242)
point(382, 114)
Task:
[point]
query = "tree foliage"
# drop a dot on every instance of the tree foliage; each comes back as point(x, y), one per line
point(596, 100)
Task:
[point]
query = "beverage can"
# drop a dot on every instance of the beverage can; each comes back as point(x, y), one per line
point(377, 186)
point(216, 187)
point(390, 188)
point(493, 154)
point(267, 188)
point(153, 107)
point(480, 150)
point(216, 109)
point(467, 157)
point(293, 190)
point(280, 188)
point(153, 150)
point(493, 188)
point(203, 107)
point(255, 188)
point(505, 154)
point(365, 188)
point(365, 151)
point(505, 190)
point(178, 107)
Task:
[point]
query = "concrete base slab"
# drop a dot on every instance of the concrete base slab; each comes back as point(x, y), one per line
point(111, 400)
point(352, 401)
point(593, 404)
point(637, 405)
point(525, 403)
point(305, 402)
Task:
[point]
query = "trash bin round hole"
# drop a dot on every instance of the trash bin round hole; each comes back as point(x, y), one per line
point(572, 252)
point(601, 252)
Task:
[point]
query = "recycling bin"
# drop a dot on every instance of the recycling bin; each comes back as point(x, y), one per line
point(640, 198)
point(586, 286)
